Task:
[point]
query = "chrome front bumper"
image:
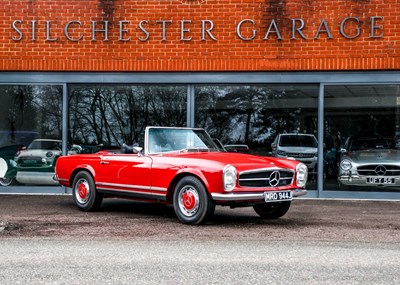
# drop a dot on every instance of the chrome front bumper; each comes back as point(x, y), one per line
point(357, 180)
point(250, 196)
point(36, 178)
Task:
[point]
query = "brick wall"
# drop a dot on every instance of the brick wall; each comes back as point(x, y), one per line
point(199, 35)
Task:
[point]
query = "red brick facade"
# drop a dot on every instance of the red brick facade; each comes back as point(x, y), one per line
point(199, 35)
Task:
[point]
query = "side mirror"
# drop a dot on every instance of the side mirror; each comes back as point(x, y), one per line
point(137, 149)
point(273, 145)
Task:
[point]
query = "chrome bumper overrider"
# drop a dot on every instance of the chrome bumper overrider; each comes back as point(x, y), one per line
point(250, 196)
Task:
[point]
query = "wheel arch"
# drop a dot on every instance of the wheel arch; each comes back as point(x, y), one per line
point(86, 168)
point(179, 176)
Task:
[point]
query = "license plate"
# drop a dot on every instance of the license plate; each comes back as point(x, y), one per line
point(30, 161)
point(380, 180)
point(278, 196)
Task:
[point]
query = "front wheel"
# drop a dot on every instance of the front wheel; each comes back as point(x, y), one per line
point(6, 181)
point(192, 203)
point(272, 210)
point(84, 192)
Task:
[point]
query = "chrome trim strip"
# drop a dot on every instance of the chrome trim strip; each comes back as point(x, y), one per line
point(251, 196)
point(100, 184)
point(264, 179)
point(266, 169)
point(234, 197)
point(60, 179)
point(132, 192)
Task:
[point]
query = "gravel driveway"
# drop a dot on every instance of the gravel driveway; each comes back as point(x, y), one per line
point(46, 240)
point(329, 220)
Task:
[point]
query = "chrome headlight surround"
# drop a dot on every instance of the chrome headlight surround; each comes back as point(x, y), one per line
point(229, 177)
point(345, 164)
point(301, 174)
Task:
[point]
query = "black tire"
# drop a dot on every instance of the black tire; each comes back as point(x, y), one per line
point(192, 203)
point(6, 181)
point(272, 210)
point(84, 192)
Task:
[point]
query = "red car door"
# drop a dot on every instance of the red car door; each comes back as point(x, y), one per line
point(124, 173)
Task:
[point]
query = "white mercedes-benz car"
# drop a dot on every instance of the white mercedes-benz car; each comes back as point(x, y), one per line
point(369, 161)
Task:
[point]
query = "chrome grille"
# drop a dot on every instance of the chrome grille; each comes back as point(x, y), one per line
point(266, 178)
point(300, 155)
point(379, 170)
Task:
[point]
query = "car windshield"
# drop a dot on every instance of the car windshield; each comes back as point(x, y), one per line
point(48, 145)
point(298, 140)
point(371, 143)
point(170, 139)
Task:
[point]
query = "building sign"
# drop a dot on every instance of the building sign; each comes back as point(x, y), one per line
point(245, 30)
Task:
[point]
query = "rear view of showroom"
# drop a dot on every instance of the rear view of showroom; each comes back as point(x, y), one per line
point(318, 81)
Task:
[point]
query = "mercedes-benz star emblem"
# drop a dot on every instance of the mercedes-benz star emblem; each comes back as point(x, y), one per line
point(380, 170)
point(274, 178)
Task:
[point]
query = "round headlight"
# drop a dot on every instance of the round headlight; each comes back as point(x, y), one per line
point(345, 164)
point(301, 174)
point(49, 154)
point(229, 177)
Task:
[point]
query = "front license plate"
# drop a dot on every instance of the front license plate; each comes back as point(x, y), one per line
point(380, 180)
point(278, 196)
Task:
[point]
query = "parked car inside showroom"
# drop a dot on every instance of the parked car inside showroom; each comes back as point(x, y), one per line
point(302, 147)
point(370, 161)
point(183, 167)
point(35, 163)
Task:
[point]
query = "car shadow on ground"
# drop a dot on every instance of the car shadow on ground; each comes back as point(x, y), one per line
point(222, 215)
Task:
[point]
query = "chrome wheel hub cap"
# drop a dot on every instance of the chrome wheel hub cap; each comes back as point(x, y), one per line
point(188, 201)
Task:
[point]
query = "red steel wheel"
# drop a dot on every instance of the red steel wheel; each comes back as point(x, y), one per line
point(192, 203)
point(84, 192)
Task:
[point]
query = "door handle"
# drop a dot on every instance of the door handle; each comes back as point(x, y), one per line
point(104, 162)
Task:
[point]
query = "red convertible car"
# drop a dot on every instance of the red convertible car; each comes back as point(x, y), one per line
point(183, 167)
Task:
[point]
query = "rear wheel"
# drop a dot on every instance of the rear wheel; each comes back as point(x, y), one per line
point(192, 203)
point(84, 192)
point(272, 210)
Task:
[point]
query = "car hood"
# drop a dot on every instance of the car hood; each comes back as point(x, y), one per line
point(38, 153)
point(241, 161)
point(375, 156)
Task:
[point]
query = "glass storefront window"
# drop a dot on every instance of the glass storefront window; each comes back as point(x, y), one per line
point(362, 137)
point(30, 133)
point(102, 117)
point(361, 126)
point(269, 120)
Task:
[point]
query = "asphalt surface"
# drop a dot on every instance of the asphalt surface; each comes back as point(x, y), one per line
point(45, 239)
